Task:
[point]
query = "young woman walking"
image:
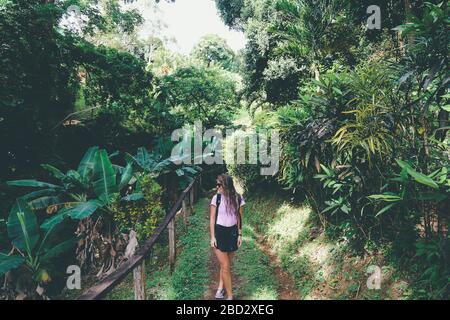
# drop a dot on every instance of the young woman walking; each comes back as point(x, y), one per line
point(226, 211)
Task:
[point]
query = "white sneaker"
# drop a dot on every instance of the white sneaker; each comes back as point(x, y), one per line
point(220, 294)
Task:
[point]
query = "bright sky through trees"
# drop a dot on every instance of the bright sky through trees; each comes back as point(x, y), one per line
point(186, 21)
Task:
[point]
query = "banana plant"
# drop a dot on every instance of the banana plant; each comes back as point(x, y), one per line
point(73, 186)
point(34, 247)
point(167, 170)
point(80, 193)
point(173, 169)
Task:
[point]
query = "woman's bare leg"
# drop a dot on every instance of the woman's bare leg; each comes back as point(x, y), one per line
point(230, 257)
point(221, 279)
point(225, 271)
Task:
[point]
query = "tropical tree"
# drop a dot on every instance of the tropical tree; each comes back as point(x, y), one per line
point(199, 93)
point(307, 29)
point(213, 50)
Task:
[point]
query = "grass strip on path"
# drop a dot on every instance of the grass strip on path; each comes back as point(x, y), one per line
point(191, 276)
point(252, 268)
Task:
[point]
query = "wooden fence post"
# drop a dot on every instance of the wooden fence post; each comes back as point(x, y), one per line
point(185, 209)
point(192, 199)
point(139, 282)
point(171, 228)
point(199, 183)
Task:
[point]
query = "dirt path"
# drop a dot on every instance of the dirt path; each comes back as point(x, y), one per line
point(286, 289)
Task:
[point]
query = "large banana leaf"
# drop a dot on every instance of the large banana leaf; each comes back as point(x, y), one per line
point(32, 184)
point(75, 176)
point(145, 160)
point(143, 157)
point(38, 194)
point(22, 226)
point(9, 262)
point(51, 235)
point(56, 219)
point(104, 179)
point(76, 179)
point(85, 210)
point(86, 166)
point(126, 176)
point(58, 249)
point(54, 171)
point(43, 202)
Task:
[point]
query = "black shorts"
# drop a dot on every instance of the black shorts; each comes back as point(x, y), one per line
point(227, 238)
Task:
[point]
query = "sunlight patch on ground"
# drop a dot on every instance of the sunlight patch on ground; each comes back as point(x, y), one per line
point(317, 251)
point(264, 293)
point(320, 253)
point(255, 279)
point(289, 224)
point(322, 269)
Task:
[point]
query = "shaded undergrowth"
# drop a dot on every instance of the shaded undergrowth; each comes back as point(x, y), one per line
point(320, 267)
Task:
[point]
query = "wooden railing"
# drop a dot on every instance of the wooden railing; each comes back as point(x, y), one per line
point(137, 262)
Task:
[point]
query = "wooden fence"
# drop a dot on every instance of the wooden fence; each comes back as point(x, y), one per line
point(136, 263)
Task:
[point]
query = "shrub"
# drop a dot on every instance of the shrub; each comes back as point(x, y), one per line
point(142, 216)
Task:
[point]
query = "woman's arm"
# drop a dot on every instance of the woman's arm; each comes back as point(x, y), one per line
point(241, 212)
point(212, 222)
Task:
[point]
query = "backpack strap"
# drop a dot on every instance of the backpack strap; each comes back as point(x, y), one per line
point(218, 200)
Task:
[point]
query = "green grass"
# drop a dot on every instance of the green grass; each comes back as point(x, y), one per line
point(191, 276)
point(287, 228)
point(251, 265)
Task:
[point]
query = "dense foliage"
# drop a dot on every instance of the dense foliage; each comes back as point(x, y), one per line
point(67, 85)
point(363, 116)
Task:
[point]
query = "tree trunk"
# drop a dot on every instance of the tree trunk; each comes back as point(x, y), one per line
point(139, 282)
point(172, 251)
point(408, 12)
point(316, 71)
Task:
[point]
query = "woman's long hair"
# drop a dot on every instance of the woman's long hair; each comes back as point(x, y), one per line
point(231, 196)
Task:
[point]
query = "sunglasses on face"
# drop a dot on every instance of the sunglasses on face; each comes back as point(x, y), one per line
point(219, 184)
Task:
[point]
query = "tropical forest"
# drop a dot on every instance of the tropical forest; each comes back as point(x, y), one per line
point(114, 130)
